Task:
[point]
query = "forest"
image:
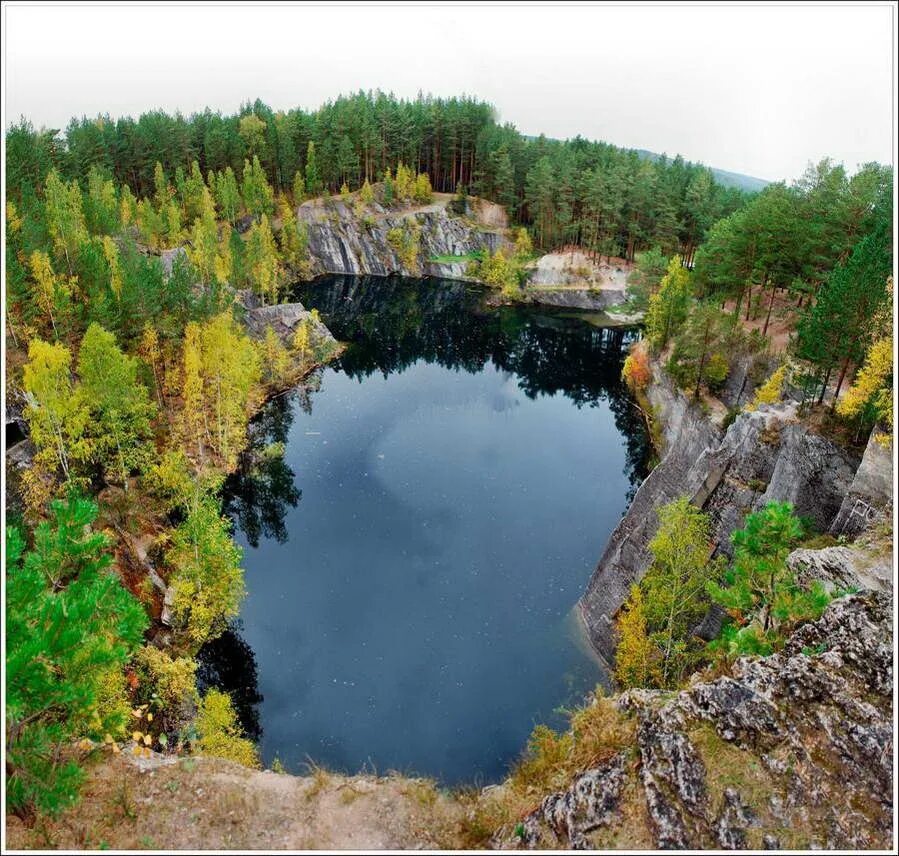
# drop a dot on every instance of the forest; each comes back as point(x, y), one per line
point(137, 380)
point(611, 200)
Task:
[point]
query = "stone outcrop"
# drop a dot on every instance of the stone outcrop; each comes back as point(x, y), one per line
point(870, 496)
point(764, 455)
point(574, 279)
point(789, 751)
point(283, 318)
point(341, 242)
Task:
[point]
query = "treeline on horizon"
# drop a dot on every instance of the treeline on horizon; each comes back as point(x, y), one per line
point(614, 201)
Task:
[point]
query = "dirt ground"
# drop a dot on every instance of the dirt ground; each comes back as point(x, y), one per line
point(208, 804)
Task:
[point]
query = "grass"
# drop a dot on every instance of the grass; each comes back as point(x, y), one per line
point(598, 732)
point(477, 255)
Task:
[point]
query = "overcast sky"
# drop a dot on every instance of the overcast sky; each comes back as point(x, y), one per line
point(756, 90)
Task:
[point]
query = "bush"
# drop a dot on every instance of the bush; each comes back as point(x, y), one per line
point(218, 733)
point(636, 372)
point(70, 628)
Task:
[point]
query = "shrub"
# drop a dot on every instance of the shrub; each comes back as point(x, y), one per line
point(636, 371)
point(207, 578)
point(218, 733)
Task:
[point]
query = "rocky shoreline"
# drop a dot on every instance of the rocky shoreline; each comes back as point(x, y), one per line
point(762, 456)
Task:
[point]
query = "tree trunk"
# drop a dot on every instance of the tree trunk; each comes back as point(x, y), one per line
point(836, 393)
point(770, 305)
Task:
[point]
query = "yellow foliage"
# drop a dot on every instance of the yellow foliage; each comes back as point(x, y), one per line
point(170, 479)
point(769, 392)
point(112, 708)
point(636, 657)
point(523, 244)
point(219, 734)
point(872, 384)
point(173, 679)
point(13, 221)
point(275, 358)
point(111, 251)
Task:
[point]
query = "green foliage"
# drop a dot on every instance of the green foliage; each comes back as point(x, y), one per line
point(206, 578)
point(119, 405)
point(700, 348)
point(649, 270)
point(669, 306)
point(759, 591)
point(219, 733)
point(255, 189)
point(675, 585)
point(69, 625)
point(57, 412)
point(262, 263)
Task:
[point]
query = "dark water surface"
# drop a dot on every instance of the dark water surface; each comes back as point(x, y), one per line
point(413, 560)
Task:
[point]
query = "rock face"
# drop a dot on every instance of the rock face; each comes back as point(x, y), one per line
point(764, 455)
point(283, 318)
point(870, 497)
point(576, 280)
point(791, 751)
point(592, 299)
point(341, 242)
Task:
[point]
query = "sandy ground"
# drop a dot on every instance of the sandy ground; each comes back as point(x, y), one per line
point(208, 804)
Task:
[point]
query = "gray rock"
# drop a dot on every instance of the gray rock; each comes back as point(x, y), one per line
point(340, 242)
point(870, 496)
point(581, 298)
point(843, 568)
point(284, 318)
point(799, 741)
point(764, 455)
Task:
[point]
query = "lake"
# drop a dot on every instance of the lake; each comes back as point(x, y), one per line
point(413, 559)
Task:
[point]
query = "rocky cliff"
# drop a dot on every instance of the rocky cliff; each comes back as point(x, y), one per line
point(762, 456)
point(790, 751)
point(340, 241)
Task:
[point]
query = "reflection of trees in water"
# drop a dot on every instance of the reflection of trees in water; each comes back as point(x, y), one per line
point(258, 493)
point(392, 323)
point(228, 663)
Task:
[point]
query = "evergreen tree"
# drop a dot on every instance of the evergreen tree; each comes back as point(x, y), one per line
point(70, 628)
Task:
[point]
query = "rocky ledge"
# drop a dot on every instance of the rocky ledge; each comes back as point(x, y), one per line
point(340, 241)
point(789, 751)
point(764, 455)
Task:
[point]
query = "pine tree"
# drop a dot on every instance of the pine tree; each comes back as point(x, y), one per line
point(70, 628)
point(313, 179)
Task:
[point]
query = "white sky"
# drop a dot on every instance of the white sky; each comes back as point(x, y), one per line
point(758, 90)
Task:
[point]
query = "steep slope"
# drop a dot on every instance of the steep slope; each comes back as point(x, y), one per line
point(788, 751)
point(340, 241)
point(765, 455)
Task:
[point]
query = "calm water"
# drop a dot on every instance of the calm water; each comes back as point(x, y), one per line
point(412, 562)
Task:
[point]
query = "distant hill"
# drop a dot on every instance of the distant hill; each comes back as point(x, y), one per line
point(722, 176)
